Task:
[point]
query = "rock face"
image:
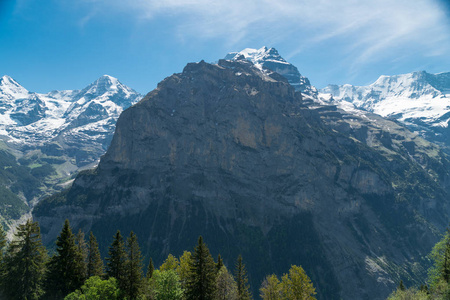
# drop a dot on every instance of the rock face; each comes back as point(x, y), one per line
point(419, 100)
point(233, 153)
point(269, 58)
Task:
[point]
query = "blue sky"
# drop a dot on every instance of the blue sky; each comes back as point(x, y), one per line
point(66, 44)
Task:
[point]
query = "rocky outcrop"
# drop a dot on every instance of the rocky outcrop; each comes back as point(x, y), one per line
point(234, 153)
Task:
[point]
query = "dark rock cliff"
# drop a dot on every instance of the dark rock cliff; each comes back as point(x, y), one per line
point(234, 154)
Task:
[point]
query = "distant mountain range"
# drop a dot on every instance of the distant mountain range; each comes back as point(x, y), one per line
point(57, 133)
point(419, 100)
point(72, 117)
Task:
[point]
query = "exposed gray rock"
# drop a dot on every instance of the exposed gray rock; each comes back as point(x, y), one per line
point(233, 153)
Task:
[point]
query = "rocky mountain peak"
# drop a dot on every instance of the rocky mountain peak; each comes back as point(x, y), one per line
point(231, 152)
point(102, 85)
point(11, 89)
point(269, 58)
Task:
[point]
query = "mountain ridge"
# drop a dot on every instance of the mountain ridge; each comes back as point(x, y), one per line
point(419, 100)
point(53, 135)
point(234, 153)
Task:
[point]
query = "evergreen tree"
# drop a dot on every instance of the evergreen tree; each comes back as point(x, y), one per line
point(242, 280)
point(82, 253)
point(2, 242)
point(219, 264)
point(2, 252)
point(440, 255)
point(270, 288)
point(66, 272)
point(133, 267)
point(184, 268)
point(25, 263)
point(226, 287)
point(115, 265)
point(201, 283)
point(171, 263)
point(94, 260)
point(401, 286)
point(150, 269)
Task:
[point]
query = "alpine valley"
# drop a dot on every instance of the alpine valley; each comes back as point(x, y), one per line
point(47, 138)
point(246, 153)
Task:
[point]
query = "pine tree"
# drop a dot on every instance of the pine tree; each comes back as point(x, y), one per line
point(201, 284)
point(94, 260)
point(25, 263)
point(115, 266)
point(82, 254)
point(65, 273)
point(2, 251)
point(242, 280)
point(219, 264)
point(401, 286)
point(150, 269)
point(133, 268)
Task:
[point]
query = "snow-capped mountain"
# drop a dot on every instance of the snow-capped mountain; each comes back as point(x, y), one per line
point(66, 119)
point(419, 100)
point(270, 58)
point(47, 138)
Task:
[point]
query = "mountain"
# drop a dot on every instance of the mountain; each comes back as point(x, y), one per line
point(269, 58)
point(51, 136)
point(419, 100)
point(232, 152)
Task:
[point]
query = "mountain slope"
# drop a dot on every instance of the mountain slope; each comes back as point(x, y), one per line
point(419, 100)
point(233, 153)
point(51, 136)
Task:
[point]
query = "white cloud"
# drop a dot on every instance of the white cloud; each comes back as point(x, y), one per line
point(367, 27)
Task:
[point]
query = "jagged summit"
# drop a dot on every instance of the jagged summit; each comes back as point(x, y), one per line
point(269, 58)
point(417, 95)
point(106, 84)
point(70, 117)
point(11, 89)
point(419, 100)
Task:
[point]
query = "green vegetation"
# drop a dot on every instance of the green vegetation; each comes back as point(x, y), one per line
point(26, 179)
point(438, 282)
point(294, 285)
point(75, 272)
point(243, 287)
point(201, 283)
point(65, 268)
point(96, 288)
point(24, 264)
point(94, 260)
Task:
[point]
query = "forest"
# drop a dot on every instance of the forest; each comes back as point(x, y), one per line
point(76, 271)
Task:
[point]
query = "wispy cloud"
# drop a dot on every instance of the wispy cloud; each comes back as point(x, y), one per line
point(369, 29)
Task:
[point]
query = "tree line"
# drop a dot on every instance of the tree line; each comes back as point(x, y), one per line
point(76, 271)
point(437, 285)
